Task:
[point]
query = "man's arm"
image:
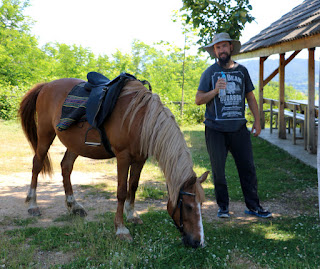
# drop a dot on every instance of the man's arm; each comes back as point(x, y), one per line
point(252, 102)
point(205, 97)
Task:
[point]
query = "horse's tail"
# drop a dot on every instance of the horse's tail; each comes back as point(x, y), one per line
point(27, 114)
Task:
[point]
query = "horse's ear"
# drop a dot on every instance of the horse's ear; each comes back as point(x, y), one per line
point(203, 177)
point(190, 182)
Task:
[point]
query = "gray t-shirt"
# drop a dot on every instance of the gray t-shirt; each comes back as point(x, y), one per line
point(226, 113)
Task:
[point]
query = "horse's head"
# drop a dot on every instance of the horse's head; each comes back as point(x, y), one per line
point(186, 213)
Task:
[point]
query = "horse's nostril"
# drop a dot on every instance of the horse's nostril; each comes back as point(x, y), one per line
point(196, 244)
point(188, 241)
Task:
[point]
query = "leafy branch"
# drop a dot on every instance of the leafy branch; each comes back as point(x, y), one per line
point(215, 16)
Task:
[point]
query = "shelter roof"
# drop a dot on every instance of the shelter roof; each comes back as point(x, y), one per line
point(301, 23)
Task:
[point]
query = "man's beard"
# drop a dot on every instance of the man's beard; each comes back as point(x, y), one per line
point(223, 61)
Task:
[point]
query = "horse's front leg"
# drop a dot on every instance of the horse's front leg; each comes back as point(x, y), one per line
point(135, 172)
point(123, 163)
point(66, 168)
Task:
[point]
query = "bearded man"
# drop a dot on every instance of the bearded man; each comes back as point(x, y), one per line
point(224, 87)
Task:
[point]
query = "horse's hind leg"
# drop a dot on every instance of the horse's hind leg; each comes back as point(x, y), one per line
point(44, 143)
point(135, 171)
point(66, 167)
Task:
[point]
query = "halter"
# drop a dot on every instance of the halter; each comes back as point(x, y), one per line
point(179, 205)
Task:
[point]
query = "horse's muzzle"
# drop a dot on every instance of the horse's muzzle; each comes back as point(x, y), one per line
point(189, 242)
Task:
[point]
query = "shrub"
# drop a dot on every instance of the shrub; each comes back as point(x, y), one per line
point(10, 97)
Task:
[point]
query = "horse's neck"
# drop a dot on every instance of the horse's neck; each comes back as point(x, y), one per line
point(175, 161)
point(161, 138)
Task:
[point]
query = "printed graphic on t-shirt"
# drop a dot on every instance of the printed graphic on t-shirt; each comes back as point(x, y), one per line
point(230, 106)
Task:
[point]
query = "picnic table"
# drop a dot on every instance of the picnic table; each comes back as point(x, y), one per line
point(295, 112)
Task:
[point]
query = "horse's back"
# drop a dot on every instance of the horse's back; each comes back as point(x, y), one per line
point(122, 138)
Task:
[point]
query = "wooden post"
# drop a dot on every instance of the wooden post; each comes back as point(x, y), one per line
point(311, 142)
point(261, 84)
point(318, 156)
point(281, 120)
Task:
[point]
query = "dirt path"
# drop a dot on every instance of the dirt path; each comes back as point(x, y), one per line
point(50, 195)
point(51, 198)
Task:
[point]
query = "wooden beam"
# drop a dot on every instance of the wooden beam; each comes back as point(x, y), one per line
point(271, 76)
point(275, 72)
point(282, 123)
point(292, 45)
point(311, 142)
point(261, 84)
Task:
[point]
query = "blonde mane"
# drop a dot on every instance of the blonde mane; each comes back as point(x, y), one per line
point(160, 137)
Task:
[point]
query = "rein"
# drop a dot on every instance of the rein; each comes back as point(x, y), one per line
point(179, 205)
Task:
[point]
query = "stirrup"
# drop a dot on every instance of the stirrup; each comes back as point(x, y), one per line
point(93, 144)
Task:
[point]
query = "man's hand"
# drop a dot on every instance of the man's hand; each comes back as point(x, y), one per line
point(256, 129)
point(221, 84)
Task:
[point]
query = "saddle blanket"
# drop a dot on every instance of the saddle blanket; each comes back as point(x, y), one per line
point(74, 107)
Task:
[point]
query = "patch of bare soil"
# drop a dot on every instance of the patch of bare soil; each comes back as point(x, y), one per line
point(51, 200)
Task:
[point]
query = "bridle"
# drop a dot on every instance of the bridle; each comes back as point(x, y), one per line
point(179, 205)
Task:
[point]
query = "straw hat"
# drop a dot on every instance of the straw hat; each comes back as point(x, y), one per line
point(220, 38)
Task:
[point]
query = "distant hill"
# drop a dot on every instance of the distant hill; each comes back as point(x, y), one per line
point(296, 72)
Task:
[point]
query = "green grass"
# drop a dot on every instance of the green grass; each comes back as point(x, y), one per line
point(100, 189)
point(18, 221)
point(281, 243)
point(290, 241)
point(151, 192)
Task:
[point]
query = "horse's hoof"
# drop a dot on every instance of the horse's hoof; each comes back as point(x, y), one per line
point(79, 212)
point(124, 234)
point(135, 220)
point(125, 237)
point(34, 211)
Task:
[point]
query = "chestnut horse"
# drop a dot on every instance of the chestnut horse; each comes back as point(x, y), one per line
point(139, 127)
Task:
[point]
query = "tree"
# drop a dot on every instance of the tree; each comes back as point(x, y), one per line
point(21, 60)
point(11, 15)
point(215, 16)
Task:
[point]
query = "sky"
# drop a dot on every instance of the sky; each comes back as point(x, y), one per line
point(105, 26)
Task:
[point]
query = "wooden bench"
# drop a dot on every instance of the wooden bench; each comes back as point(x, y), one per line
point(294, 113)
point(291, 115)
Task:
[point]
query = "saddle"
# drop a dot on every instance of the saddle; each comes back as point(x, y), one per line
point(103, 96)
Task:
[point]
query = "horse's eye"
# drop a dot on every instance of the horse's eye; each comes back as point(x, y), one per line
point(189, 207)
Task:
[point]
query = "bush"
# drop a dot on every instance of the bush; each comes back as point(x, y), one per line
point(192, 113)
point(10, 97)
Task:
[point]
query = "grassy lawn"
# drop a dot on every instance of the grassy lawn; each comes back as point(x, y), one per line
point(288, 241)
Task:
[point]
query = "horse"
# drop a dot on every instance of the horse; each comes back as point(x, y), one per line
point(139, 127)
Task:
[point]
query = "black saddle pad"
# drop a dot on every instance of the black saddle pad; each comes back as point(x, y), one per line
point(74, 107)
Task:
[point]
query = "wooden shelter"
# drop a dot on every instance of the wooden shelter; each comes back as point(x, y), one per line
point(299, 29)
